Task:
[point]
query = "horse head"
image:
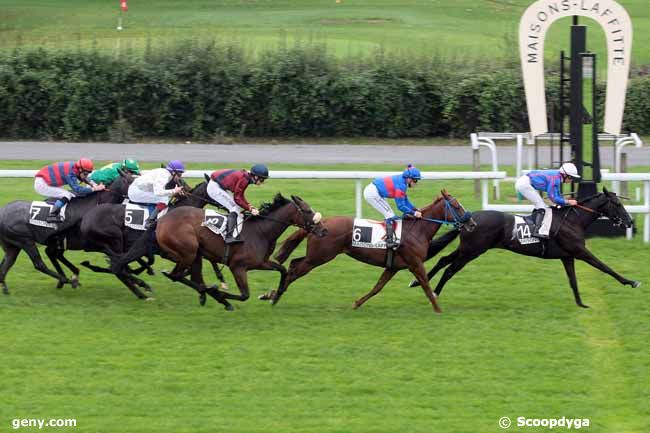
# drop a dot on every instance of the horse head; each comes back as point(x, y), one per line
point(447, 208)
point(608, 204)
point(309, 220)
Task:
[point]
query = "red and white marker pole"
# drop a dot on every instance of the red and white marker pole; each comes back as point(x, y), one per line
point(123, 8)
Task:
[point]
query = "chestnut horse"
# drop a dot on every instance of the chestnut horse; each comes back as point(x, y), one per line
point(414, 248)
point(184, 240)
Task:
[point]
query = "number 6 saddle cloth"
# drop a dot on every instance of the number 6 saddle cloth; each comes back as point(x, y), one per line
point(372, 234)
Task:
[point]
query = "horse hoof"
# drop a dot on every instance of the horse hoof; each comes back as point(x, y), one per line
point(414, 283)
point(581, 305)
point(5, 291)
point(148, 289)
point(151, 271)
point(355, 306)
point(229, 308)
point(202, 299)
point(636, 284)
point(149, 299)
point(85, 263)
point(75, 283)
point(59, 285)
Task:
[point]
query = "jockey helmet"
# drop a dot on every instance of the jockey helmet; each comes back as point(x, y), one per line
point(412, 172)
point(569, 169)
point(131, 165)
point(84, 164)
point(260, 170)
point(176, 166)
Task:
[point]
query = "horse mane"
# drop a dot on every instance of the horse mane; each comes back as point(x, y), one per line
point(434, 202)
point(278, 202)
point(195, 189)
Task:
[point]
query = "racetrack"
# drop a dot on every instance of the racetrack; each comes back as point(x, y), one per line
point(510, 342)
point(286, 153)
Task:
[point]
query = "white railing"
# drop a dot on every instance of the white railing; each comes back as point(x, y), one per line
point(359, 176)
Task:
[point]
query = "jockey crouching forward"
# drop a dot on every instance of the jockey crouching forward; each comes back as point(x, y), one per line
point(393, 187)
point(51, 178)
point(150, 188)
point(549, 181)
point(108, 173)
point(227, 187)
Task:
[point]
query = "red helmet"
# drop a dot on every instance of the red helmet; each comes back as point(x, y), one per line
point(84, 164)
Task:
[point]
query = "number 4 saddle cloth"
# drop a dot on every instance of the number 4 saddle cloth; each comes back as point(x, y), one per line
point(372, 234)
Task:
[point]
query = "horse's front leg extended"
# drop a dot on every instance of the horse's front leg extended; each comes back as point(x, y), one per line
point(385, 278)
point(420, 273)
point(586, 256)
point(569, 267)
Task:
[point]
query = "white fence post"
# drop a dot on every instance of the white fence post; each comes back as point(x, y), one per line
point(358, 201)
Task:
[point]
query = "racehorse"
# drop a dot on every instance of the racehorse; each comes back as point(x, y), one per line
point(71, 239)
point(103, 230)
point(414, 247)
point(184, 240)
point(17, 234)
point(498, 230)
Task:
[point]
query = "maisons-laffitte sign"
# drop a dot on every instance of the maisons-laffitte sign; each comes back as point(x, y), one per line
point(617, 26)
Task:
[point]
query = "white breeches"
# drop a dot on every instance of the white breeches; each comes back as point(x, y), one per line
point(41, 187)
point(225, 199)
point(372, 196)
point(137, 195)
point(524, 187)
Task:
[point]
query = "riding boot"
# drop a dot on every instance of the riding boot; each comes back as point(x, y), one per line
point(151, 222)
point(231, 224)
point(539, 219)
point(390, 234)
point(53, 216)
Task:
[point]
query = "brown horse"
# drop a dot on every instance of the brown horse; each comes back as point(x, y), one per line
point(184, 240)
point(415, 247)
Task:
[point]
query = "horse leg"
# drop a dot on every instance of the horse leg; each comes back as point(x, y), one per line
point(586, 256)
point(11, 254)
point(241, 278)
point(39, 264)
point(52, 253)
point(75, 270)
point(420, 273)
point(456, 266)
point(219, 274)
point(569, 267)
point(126, 279)
point(214, 292)
point(443, 262)
point(272, 266)
point(385, 278)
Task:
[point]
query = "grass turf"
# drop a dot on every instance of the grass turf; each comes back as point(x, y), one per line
point(509, 343)
point(464, 30)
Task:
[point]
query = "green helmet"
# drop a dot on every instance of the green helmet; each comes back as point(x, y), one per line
point(131, 165)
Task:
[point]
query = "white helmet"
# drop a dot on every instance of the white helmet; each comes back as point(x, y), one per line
point(569, 169)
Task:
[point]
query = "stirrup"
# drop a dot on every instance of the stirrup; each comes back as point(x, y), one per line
point(53, 218)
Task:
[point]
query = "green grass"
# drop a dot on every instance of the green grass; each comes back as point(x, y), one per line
point(509, 343)
point(458, 29)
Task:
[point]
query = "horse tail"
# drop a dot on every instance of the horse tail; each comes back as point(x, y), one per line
point(437, 245)
point(290, 244)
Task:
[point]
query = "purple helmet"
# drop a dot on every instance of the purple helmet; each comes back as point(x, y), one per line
point(176, 166)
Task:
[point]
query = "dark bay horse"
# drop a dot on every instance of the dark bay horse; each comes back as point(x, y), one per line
point(497, 230)
point(415, 246)
point(103, 230)
point(17, 234)
point(183, 240)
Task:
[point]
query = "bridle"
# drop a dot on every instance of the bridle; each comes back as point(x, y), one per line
point(451, 209)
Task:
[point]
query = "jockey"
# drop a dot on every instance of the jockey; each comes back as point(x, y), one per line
point(549, 181)
point(227, 188)
point(51, 178)
point(393, 187)
point(108, 173)
point(150, 188)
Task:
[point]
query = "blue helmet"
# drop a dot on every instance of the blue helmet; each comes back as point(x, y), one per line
point(260, 170)
point(176, 166)
point(412, 172)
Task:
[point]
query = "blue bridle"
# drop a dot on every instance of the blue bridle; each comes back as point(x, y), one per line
point(458, 220)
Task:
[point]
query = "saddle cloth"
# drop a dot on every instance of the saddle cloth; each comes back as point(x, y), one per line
point(372, 234)
point(215, 222)
point(136, 215)
point(38, 212)
point(522, 230)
